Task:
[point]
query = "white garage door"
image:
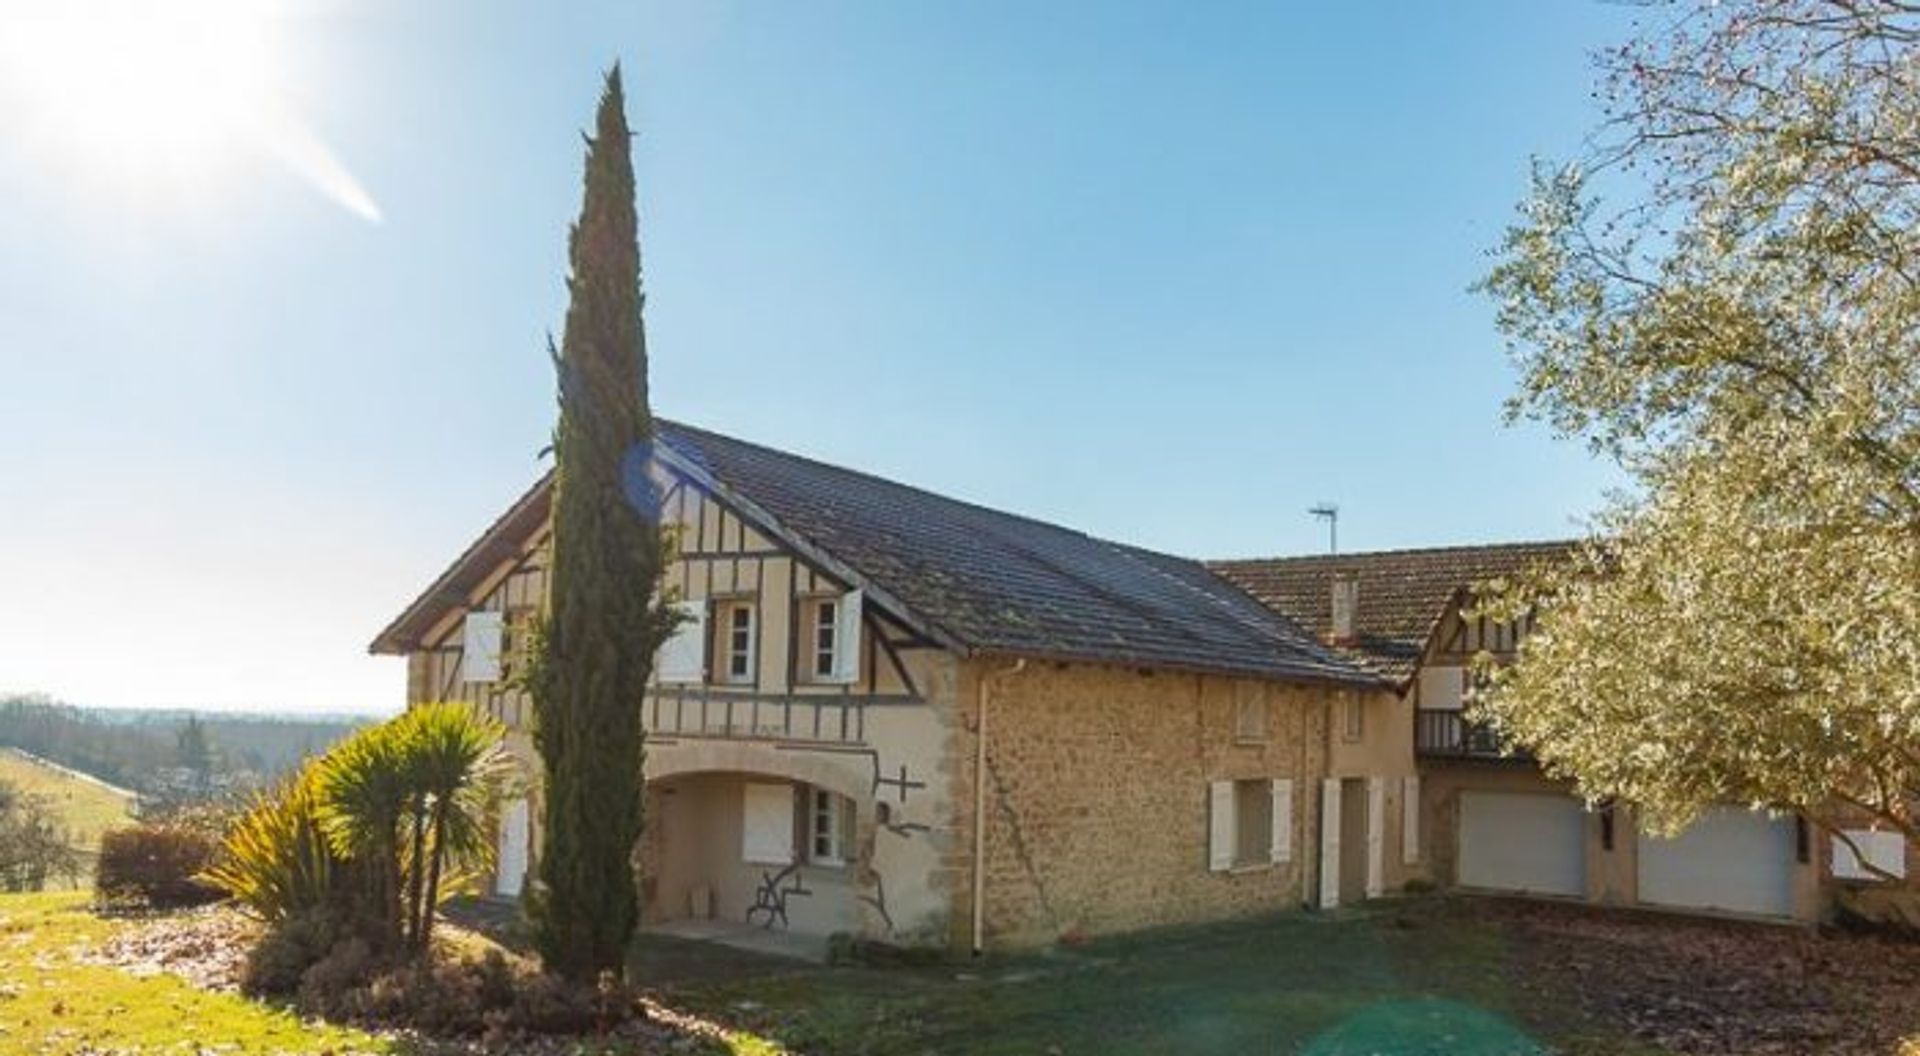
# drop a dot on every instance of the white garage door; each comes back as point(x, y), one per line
point(1731, 859)
point(1531, 843)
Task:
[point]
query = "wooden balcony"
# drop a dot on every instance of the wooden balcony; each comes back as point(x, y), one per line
point(695, 711)
point(1444, 733)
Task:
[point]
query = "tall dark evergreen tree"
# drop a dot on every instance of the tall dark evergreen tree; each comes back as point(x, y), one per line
point(604, 619)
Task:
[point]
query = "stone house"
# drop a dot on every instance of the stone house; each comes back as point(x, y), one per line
point(1490, 819)
point(906, 718)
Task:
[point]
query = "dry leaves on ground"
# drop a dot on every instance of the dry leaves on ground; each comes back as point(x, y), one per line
point(206, 946)
point(1717, 988)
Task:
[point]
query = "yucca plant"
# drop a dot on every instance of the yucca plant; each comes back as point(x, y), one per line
point(459, 767)
point(276, 859)
point(364, 793)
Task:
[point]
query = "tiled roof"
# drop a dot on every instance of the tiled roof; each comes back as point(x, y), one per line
point(984, 580)
point(1401, 592)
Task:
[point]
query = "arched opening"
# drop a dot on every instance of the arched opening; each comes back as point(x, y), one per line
point(775, 847)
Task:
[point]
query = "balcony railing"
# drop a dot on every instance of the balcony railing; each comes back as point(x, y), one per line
point(696, 712)
point(1444, 732)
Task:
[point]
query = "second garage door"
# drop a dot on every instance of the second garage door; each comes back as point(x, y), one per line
point(1523, 842)
point(1731, 860)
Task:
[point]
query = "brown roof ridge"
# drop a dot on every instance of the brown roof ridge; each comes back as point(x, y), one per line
point(1409, 551)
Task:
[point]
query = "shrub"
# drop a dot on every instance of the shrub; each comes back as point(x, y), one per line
point(278, 964)
point(156, 865)
point(494, 995)
point(326, 981)
point(276, 859)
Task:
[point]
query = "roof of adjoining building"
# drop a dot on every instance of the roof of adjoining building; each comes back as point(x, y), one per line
point(976, 579)
point(1402, 593)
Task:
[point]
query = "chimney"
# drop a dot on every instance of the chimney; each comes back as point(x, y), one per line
point(1346, 609)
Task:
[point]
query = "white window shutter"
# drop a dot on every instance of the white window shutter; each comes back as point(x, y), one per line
point(1282, 840)
point(1376, 837)
point(846, 637)
point(766, 829)
point(1220, 827)
point(1410, 820)
point(683, 657)
point(480, 647)
point(1330, 843)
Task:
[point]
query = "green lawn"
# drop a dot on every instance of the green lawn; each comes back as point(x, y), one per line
point(51, 1002)
point(1416, 979)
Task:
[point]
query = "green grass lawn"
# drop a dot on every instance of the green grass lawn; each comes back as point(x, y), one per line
point(86, 808)
point(51, 1002)
point(1417, 978)
point(1394, 982)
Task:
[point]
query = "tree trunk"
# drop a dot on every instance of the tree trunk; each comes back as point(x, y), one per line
point(433, 874)
point(416, 877)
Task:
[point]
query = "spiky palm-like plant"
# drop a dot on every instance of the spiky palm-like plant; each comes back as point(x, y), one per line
point(276, 860)
point(459, 767)
point(365, 793)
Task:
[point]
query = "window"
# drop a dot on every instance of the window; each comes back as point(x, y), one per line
point(1356, 717)
point(827, 815)
point(1253, 817)
point(1868, 854)
point(830, 639)
point(1251, 824)
point(740, 643)
point(826, 626)
point(1250, 715)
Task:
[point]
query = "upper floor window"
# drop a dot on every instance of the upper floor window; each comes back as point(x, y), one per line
point(739, 643)
point(1250, 715)
point(1356, 716)
point(826, 639)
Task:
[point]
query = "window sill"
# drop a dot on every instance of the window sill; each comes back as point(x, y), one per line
point(1241, 869)
point(1252, 742)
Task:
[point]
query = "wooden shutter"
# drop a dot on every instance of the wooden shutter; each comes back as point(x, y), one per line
point(1221, 831)
point(683, 657)
point(766, 828)
point(1330, 843)
point(846, 637)
point(1282, 842)
point(480, 647)
point(1410, 820)
point(1376, 837)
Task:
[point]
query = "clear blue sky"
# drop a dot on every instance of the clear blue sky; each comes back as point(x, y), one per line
point(1167, 273)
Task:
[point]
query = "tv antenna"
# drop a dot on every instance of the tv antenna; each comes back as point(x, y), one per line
point(1330, 513)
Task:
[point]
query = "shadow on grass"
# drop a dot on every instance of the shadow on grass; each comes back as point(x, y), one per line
point(1396, 979)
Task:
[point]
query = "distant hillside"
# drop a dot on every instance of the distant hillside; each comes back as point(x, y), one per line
point(154, 753)
point(83, 806)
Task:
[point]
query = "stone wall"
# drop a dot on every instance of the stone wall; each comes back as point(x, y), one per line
point(1097, 797)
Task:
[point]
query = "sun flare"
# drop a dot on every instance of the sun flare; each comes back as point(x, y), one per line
point(157, 93)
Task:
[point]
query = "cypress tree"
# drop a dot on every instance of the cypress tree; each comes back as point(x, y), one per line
point(594, 653)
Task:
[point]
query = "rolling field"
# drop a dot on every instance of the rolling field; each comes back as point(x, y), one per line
point(84, 806)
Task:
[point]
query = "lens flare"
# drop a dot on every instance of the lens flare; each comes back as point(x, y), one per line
point(157, 93)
